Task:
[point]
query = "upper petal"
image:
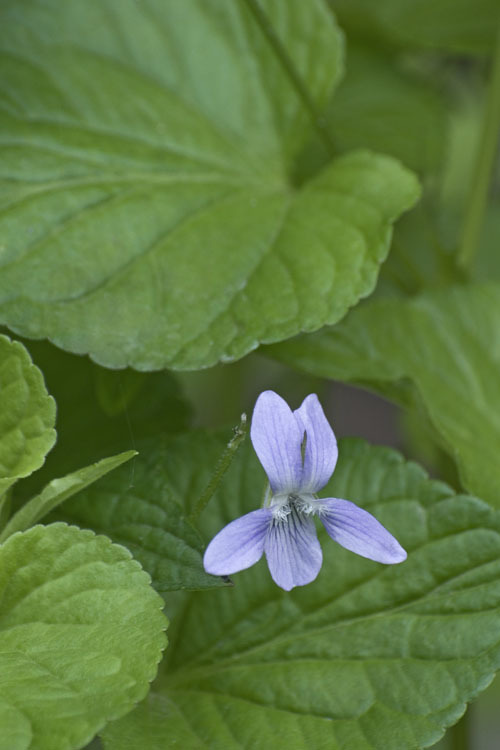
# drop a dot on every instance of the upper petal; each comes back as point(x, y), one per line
point(321, 446)
point(238, 545)
point(276, 438)
point(358, 531)
point(292, 550)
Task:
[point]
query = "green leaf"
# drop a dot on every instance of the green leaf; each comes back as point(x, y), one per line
point(448, 25)
point(142, 509)
point(101, 412)
point(486, 265)
point(367, 656)
point(421, 256)
point(59, 490)
point(162, 227)
point(81, 634)
point(27, 416)
point(423, 252)
point(381, 106)
point(446, 343)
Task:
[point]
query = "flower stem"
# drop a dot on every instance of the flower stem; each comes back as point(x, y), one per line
point(298, 83)
point(478, 195)
point(223, 465)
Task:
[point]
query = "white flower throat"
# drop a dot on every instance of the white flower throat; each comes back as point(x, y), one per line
point(284, 504)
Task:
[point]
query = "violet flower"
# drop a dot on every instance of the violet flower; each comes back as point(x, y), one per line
point(298, 451)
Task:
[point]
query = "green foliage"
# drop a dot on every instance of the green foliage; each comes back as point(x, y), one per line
point(181, 182)
point(450, 25)
point(59, 490)
point(368, 656)
point(447, 344)
point(81, 634)
point(161, 227)
point(487, 263)
point(142, 509)
point(422, 256)
point(101, 412)
point(382, 106)
point(27, 415)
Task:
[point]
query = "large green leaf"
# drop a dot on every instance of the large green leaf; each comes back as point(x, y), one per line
point(450, 25)
point(27, 415)
point(141, 508)
point(366, 657)
point(148, 213)
point(81, 634)
point(447, 343)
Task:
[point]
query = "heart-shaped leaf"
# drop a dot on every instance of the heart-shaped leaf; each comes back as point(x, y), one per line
point(152, 220)
point(367, 656)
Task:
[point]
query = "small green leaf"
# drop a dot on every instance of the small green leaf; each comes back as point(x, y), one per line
point(367, 656)
point(449, 25)
point(143, 511)
point(27, 415)
point(59, 490)
point(164, 228)
point(446, 343)
point(81, 634)
point(101, 412)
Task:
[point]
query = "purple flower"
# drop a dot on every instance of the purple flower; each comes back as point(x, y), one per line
point(298, 451)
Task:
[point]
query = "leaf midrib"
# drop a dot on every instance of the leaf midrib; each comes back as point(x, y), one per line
point(282, 639)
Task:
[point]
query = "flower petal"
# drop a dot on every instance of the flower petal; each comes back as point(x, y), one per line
point(238, 545)
point(357, 530)
point(276, 438)
point(292, 550)
point(321, 446)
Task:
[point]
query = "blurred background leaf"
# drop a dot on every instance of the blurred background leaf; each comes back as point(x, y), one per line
point(101, 412)
point(447, 343)
point(384, 106)
point(457, 26)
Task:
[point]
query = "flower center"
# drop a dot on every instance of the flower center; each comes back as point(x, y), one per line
point(283, 505)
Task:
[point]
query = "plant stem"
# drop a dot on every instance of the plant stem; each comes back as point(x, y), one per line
point(267, 29)
point(478, 195)
point(223, 465)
